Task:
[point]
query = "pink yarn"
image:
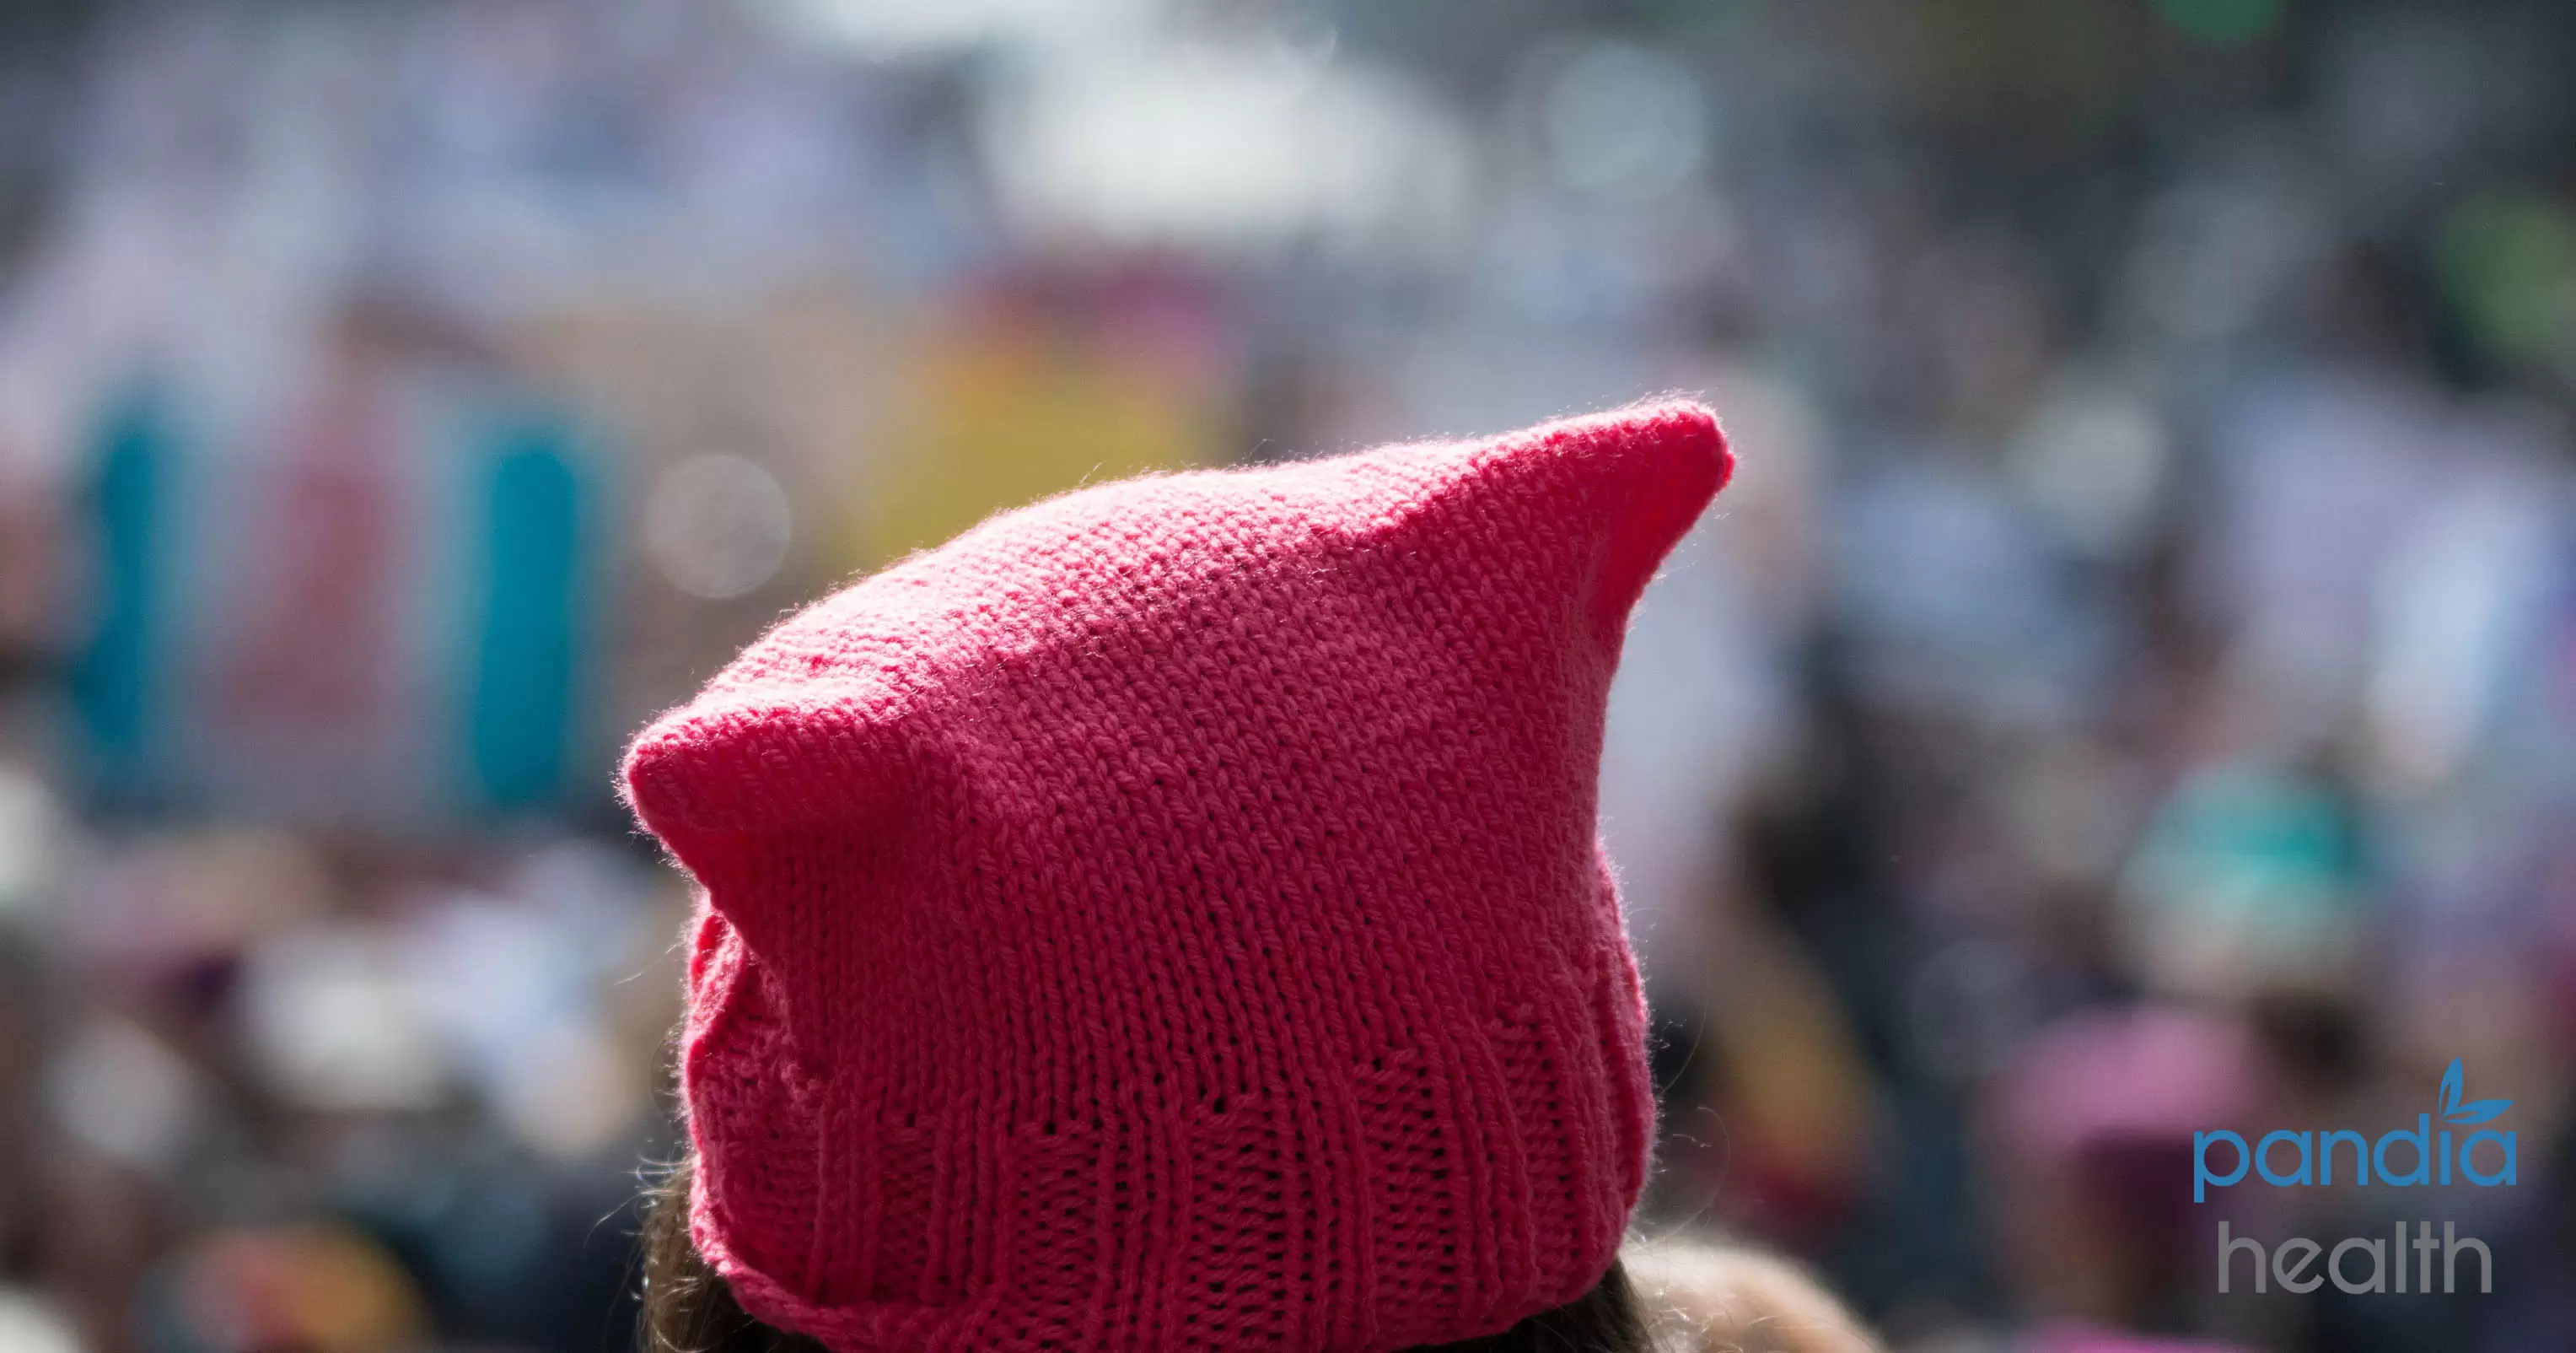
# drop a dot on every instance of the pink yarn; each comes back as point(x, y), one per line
point(1169, 916)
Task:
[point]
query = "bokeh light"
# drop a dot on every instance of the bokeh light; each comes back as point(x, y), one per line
point(718, 526)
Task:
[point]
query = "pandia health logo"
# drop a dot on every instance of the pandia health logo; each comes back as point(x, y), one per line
point(2420, 1156)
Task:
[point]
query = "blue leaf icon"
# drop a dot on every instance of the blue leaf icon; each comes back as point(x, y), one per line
point(2479, 1112)
point(2468, 1115)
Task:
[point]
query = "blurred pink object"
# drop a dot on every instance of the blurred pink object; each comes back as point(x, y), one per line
point(2082, 1339)
point(2140, 1076)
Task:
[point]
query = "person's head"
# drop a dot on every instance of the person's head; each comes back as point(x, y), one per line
point(1170, 917)
point(1709, 1298)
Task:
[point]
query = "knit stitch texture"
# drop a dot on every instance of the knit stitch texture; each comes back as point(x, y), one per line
point(1169, 916)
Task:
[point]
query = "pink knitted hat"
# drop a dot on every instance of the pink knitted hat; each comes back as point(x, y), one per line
point(1169, 916)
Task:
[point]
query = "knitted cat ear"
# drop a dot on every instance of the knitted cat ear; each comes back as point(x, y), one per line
point(1630, 483)
point(804, 734)
point(715, 767)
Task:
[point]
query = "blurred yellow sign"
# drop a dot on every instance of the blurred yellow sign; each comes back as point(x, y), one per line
point(1002, 413)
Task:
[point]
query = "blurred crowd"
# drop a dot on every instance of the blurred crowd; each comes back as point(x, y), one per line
point(2129, 691)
